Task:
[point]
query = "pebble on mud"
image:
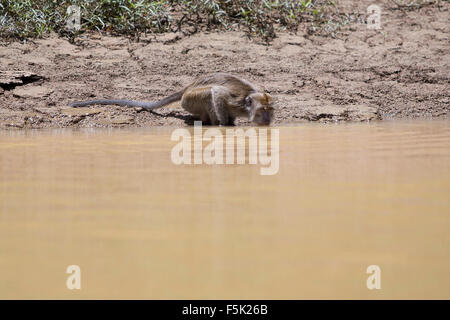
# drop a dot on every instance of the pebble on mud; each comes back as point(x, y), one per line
point(116, 121)
point(84, 111)
point(342, 113)
point(32, 92)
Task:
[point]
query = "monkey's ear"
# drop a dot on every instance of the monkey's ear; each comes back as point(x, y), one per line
point(268, 98)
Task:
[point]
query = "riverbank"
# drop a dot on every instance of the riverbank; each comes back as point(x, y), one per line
point(399, 71)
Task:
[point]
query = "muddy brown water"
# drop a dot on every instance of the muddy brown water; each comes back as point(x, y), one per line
point(112, 202)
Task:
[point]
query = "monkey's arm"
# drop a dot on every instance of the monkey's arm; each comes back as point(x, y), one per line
point(220, 96)
point(131, 103)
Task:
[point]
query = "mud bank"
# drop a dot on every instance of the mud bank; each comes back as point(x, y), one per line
point(402, 70)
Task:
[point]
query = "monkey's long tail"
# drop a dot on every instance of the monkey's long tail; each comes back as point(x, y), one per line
point(131, 103)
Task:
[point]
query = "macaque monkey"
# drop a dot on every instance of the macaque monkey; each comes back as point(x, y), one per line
point(217, 99)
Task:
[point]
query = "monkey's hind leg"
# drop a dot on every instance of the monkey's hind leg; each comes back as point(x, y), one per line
point(204, 117)
point(209, 103)
point(197, 101)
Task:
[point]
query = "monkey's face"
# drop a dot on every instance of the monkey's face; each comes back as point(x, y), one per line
point(260, 109)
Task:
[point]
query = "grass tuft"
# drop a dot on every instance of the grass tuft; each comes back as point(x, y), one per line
point(261, 18)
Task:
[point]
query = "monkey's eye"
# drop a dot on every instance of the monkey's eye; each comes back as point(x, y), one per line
point(248, 101)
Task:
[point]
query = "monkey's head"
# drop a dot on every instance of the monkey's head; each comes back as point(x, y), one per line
point(259, 108)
